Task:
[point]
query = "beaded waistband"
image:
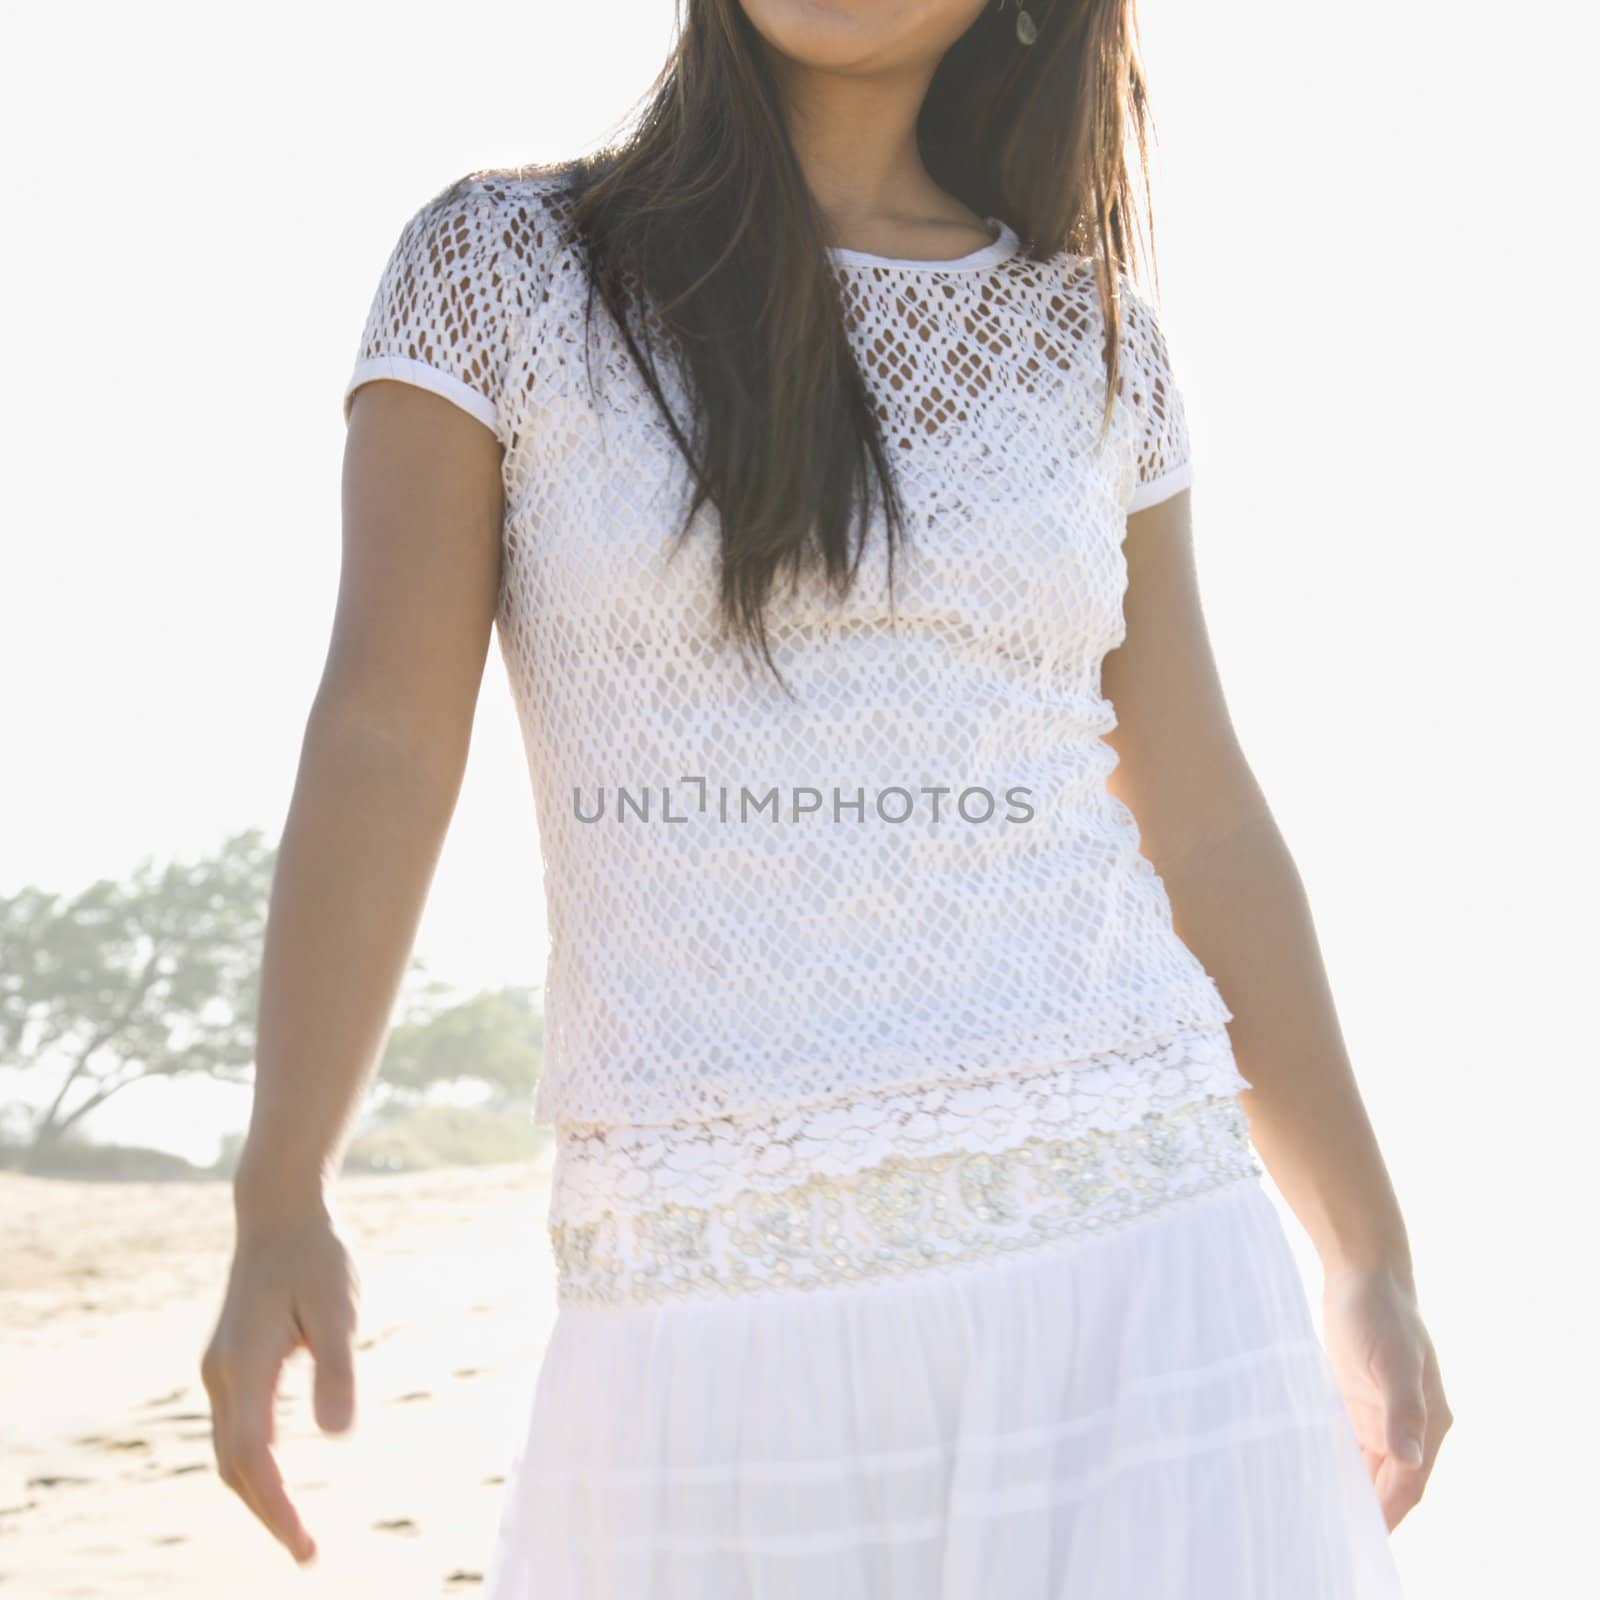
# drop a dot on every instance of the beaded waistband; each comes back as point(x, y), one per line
point(906, 1213)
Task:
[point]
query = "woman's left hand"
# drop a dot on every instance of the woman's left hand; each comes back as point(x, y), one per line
point(1387, 1372)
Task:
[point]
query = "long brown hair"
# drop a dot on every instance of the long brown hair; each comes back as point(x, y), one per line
point(702, 239)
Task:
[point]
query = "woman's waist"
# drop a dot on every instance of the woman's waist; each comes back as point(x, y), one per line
point(943, 1203)
point(1093, 1137)
point(736, 1045)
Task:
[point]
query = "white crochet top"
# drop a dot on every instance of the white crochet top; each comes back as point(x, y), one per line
point(909, 874)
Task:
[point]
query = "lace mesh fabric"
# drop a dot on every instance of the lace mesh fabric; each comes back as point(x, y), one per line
point(882, 1183)
point(947, 1206)
point(639, 1168)
point(786, 905)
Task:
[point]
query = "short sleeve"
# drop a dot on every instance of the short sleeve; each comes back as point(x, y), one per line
point(443, 313)
point(1162, 463)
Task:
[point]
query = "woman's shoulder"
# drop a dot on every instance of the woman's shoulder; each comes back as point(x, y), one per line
point(543, 185)
point(474, 266)
point(517, 215)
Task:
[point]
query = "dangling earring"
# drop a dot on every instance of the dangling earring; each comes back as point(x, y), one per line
point(1027, 28)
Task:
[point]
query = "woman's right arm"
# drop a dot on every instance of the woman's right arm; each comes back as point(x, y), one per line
point(380, 769)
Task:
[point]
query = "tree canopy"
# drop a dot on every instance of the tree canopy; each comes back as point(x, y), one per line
point(158, 976)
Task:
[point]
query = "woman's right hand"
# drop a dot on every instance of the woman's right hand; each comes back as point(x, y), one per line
point(292, 1285)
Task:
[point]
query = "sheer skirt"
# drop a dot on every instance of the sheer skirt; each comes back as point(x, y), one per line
point(1037, 1337)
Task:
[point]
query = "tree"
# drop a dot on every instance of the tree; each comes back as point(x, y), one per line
point(495, 1038)
point(159, 977)
point(155, 977)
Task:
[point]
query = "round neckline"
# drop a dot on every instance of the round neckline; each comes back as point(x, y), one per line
point(1002, 247)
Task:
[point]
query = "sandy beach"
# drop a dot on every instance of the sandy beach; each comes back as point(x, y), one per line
point(107, 1481)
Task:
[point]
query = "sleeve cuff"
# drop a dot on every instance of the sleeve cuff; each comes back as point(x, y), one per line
point(1173, 481)
point(445, 384)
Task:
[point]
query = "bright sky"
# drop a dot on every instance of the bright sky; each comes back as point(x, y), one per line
point(1371, 285)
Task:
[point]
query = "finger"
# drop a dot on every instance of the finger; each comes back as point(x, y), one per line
point(329, 1327)
point(252, 1391)
point(217, 1374)
point(252, 1473)
point(245, 1443)
point(258, 1471)
point(1399, 1489)
point(224, 1430)
point(249, 1468)
point(1367, 1421)
point(1405, 1412)
point(244, 1491)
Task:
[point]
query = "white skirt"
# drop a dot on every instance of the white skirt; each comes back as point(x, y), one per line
point(1078, 1366)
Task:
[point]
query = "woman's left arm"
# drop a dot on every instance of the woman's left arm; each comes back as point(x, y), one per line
point(1238, 903)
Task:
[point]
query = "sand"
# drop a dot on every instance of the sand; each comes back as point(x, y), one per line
point(108, 1292)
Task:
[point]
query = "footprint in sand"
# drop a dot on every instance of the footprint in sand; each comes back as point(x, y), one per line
point(395, 1525)
point(99, 1441)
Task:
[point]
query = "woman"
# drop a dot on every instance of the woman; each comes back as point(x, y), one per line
point(827, 477)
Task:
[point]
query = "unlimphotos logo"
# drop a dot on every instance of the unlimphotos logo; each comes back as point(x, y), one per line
point(694, 797)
